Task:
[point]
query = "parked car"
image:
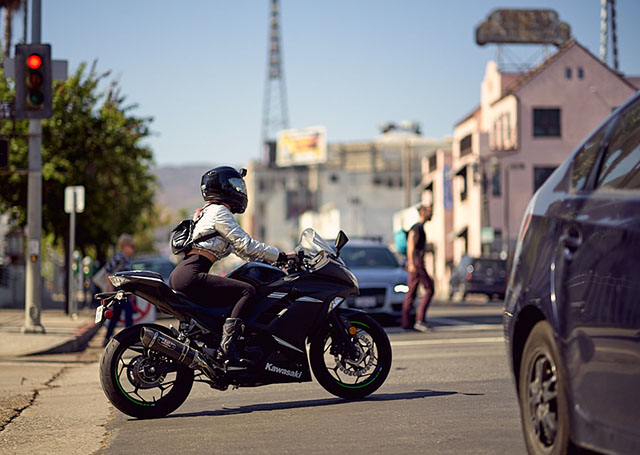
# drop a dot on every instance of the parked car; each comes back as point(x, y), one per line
point(572, 311)
point(478, 275)
point(381, 278)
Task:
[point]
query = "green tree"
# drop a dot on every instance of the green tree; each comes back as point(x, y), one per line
point(92, 140)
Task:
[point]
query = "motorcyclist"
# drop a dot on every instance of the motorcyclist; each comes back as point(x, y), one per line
point(225, 193)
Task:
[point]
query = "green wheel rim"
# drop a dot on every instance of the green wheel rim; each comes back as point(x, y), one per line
point(377, 369)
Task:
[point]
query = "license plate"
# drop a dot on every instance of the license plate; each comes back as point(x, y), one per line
point(99, 314)
point(367, 301)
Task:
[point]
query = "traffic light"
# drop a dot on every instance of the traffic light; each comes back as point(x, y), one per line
point(33, 81)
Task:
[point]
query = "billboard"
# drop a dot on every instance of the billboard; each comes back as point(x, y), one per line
point(301, 146)
point(534, 26)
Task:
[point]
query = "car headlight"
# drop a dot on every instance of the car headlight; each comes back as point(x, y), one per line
point(401, 288)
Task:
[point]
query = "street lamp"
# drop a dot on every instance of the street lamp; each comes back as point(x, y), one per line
point(507, 234)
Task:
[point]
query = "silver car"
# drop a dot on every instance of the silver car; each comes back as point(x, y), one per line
point(381, 278)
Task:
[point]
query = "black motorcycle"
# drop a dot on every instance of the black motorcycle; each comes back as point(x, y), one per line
point(148, 370)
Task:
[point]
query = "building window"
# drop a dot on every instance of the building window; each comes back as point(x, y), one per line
point(462, 173)
point(433, 162)
point(546, 122)
point(508, 115)
point(465, 145)
point(540, 175)
point(580, 72)
point(496, 181)
point(567, 72)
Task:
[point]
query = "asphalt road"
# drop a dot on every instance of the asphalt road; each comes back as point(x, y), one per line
point(449, 392)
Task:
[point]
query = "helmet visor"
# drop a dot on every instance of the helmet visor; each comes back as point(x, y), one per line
point(238, 185)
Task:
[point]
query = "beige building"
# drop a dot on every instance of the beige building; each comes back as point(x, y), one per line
point(525, 126)
point(358, 189)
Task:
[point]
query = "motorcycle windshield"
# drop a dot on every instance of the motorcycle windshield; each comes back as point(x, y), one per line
point(312, 243)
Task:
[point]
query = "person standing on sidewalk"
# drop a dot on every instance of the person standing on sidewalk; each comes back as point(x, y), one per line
point(119, 262)
point(416, 248)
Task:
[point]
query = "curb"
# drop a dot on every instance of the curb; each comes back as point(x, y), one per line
point(78, 343)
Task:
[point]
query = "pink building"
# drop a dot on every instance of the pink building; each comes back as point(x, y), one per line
point(525, 126)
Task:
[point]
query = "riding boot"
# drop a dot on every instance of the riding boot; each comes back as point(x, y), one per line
point(229, 352)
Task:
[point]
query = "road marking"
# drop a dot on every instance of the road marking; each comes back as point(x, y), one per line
point(449, 321)
point(448, 341)
point(467, 327)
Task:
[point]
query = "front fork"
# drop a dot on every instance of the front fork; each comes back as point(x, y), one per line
point(342, 334)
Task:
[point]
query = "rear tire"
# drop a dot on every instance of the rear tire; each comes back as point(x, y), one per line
point(141, 385)
point(352, 379)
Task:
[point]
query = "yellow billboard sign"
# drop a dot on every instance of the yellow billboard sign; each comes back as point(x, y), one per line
point(301, 146)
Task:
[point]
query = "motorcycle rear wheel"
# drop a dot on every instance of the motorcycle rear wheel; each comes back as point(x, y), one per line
point(142, 383)
point(352, 378)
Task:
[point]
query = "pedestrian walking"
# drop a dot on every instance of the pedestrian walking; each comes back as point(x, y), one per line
point(119, 262)
point(416, 248)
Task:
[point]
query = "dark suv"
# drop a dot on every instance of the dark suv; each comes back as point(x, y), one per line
point(572, 311)
point(478, 276)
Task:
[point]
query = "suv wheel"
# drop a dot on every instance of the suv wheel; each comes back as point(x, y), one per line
point(542, 396)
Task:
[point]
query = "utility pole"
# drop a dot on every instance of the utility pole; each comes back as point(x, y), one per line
point(33, 281)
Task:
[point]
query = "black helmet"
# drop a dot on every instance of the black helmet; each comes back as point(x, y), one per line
point(225, 185)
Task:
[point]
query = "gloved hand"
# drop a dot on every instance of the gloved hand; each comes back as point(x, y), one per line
point(284, 258)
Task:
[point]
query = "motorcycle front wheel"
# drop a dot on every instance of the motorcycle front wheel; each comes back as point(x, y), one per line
point(139, 382)
point(347, 376)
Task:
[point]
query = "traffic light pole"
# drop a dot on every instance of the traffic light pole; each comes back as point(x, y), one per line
point(33, 282)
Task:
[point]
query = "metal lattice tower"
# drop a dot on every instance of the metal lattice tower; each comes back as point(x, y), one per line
point(608, 9)
point(274, 114)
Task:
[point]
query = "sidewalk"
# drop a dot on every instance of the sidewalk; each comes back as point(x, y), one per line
point(62, 333)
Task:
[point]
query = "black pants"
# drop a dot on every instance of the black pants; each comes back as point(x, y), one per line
point(192, 278)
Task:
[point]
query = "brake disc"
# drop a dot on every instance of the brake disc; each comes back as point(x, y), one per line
point(143, 373)
point(355, 367)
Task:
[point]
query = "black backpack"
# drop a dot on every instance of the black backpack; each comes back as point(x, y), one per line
point(182, 236)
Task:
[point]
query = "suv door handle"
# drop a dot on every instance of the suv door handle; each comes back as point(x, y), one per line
point(571, 241)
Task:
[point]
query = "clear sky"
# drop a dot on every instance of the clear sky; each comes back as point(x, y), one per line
point(198, 67)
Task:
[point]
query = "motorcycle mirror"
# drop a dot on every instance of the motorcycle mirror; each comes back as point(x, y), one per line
point(341, 241)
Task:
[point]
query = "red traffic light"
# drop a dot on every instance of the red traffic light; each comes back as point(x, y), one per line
point(34, 61)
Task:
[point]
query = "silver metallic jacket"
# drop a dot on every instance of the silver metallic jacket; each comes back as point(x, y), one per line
point(231, 238)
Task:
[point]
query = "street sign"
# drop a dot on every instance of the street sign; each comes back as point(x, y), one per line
point(487, 235)
point(72, 193)
point(5, 109)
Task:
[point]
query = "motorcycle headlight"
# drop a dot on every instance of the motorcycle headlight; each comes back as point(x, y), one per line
point(401, 288)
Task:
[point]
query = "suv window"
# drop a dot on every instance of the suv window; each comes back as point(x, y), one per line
point(621, 164)
point(368, 256)
point(585, 159)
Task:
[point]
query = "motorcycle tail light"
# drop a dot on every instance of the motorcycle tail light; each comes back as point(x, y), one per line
point(108, 314)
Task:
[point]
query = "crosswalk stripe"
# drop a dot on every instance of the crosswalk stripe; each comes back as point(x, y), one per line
point(448, 341)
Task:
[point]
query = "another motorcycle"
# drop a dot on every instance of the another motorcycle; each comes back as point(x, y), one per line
point(148, 370)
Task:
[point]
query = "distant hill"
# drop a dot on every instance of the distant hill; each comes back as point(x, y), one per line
point(179, 186)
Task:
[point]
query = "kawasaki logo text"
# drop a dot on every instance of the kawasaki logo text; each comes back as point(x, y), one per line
point(275, 369)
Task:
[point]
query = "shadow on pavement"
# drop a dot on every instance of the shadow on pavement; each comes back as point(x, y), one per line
point(313, 403)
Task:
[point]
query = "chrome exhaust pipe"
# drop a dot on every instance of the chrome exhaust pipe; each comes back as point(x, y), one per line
point(174, 349)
